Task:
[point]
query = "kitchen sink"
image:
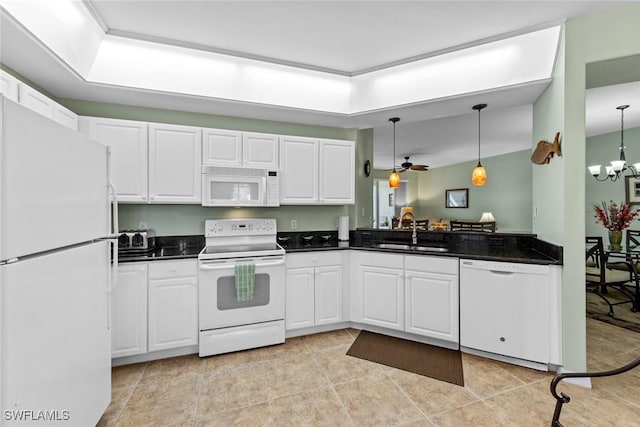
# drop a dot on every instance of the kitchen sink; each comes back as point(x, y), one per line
point(404, 247)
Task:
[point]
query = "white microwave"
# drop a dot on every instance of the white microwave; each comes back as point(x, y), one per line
point(223, 186)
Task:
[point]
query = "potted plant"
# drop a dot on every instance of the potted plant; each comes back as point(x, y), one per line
point(615, 219)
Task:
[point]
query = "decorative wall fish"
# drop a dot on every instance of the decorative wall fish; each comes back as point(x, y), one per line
point(545, 150)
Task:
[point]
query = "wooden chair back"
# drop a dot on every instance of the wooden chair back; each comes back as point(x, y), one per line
point(472, 226)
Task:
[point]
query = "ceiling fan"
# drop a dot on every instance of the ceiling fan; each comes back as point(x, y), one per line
point(407, 165)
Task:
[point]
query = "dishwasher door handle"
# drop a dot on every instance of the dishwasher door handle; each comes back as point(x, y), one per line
point(501, 273)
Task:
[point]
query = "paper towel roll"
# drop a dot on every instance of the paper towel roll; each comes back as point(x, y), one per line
point(343, 228)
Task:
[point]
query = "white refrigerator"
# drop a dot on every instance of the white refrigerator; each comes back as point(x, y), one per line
point(56, 268)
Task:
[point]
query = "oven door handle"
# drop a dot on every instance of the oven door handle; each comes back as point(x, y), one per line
point(226, 265)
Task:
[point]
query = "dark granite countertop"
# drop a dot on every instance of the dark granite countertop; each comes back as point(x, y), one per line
point(166, 248)
point(521, 248)
point(504, 247)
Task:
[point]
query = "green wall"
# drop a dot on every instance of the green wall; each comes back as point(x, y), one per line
point(601, 149)
point(507, 193)
point(559, 194)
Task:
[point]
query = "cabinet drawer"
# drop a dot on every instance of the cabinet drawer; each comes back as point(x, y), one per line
point(431, 264)
point(314, 259)
point(171, 269)
point(379, 259)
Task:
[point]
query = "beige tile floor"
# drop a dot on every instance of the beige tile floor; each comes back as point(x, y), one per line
point(309, 381)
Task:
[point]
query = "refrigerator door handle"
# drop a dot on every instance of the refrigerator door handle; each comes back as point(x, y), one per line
point(112, 249)
point(113, 211)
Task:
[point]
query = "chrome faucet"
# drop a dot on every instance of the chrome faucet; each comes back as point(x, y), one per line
point(414, 235)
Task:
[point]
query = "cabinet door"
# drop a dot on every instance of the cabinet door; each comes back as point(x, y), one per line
point(328, 295)
point(260, 150)
point(299, 312)
point(299, 170)
point(222, 147)
point(128, 142)
point(35, 101)
point(431, 305)
point(505, 313)
point(175, 164)
point(65, 117)
point(337, 172)
point(173, 313)
point(9, 86)
point(129, 311)
point(383, 297)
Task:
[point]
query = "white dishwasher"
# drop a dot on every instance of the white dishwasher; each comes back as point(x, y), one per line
point(505, 308)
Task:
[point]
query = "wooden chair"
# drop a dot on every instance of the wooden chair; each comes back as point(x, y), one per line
point(599, 278)
point(456, 225)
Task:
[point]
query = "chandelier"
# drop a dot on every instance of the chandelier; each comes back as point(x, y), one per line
point(618, 167)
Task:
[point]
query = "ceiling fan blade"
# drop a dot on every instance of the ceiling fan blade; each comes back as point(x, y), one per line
point(419, 167)
point(402, 170)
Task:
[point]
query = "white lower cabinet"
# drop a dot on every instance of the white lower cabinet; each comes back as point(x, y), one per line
point(173, 304)
point(129, 311)
point(154, 306)
point(411, 293)
point(378, 289)
point(313, 289)
point(431, 297)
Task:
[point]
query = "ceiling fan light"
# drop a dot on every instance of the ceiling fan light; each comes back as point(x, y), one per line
point(394, 179)
point(479, 176)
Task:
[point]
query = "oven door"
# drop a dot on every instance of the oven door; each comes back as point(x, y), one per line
point(218, 190)
point(217, 300)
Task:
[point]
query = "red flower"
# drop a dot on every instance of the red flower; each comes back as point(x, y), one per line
point(614, 218)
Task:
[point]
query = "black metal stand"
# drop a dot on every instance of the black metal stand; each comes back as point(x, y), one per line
point(563, 398)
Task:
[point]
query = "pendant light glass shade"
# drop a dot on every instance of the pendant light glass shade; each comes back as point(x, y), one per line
point(479, 174)
point(394, 177)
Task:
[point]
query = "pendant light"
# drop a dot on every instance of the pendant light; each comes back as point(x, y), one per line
point(394, 177)
point(615, 171)
point(479, 174)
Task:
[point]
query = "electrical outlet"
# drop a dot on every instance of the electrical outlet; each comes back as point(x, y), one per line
point(294, 224)
point(142, 225)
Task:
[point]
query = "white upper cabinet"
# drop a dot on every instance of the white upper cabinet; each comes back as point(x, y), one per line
point(317, 171)
point(129, 154)
point(299, 170)
point(41, 104)
point(240, 149)
point(260, 150)
point(9, 86)
point(174, 164)
point(222, 147)
point(65, 116)
point(337, 172)
point(35, 101)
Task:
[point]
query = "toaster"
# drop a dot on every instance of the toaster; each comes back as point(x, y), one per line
point(136, 240)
